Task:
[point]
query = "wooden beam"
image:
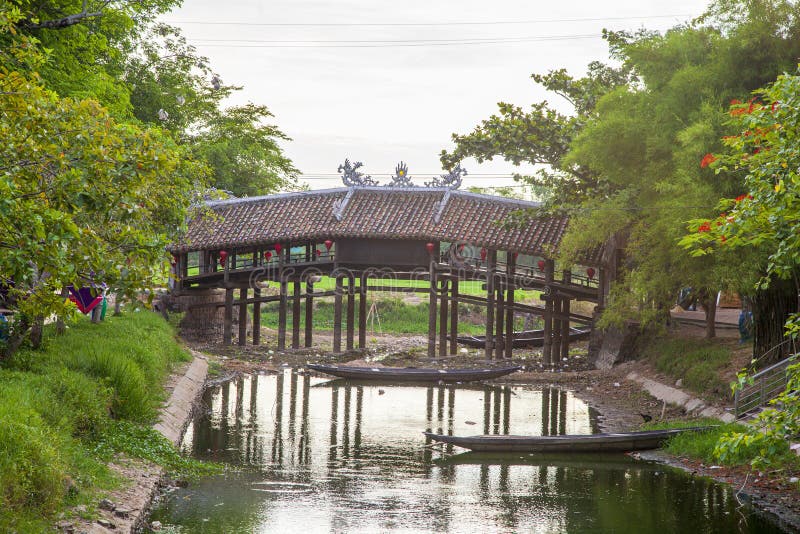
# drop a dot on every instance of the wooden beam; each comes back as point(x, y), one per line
point(362, 313)
point(242, 317)
point(567, 276)
point(282, 312)
point(351, 313)
point(509, 341)
point(499, 343)
point(296, 315)
point(227, 327)
point(337, 315)
point(309, 313)
point(443, 318)
point(491, 264)
point(432, 312)
point(547, 345)
point(256, 317)
point(454, 316)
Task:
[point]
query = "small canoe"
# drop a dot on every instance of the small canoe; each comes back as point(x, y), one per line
point(527, 338)
point(612, 442)
point(412, 374)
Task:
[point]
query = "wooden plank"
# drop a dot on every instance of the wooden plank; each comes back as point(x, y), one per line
point(499, 344)
point(337, 315)
point(565, 305)
point(547, 346)
point(242, 317)
point(509, 346)
point(256, 317)
point(296, 315)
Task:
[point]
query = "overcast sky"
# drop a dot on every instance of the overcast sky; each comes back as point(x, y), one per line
point(400, 77)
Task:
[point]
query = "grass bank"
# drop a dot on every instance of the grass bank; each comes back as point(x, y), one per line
point(68, 408)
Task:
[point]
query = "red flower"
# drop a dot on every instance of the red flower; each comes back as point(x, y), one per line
point(707, 160)
point(735, 101)
point(705, 227)
point(723, 238)
point(742, 197)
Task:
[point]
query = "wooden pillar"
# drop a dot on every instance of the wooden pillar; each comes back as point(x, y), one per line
point(351, 311)
point(242, 316)
point(556, 337)
point(565, 322)
point(256, 316)
point(296, 315)
point(547, 345)
point(309, 312)
point(500, 320)
point(362, 312)
point(443, 318)
point(454, 316)
point(491, 264)
point(227, 327)
point(337, 315)
point(432, 312)
point(510, 271)
point(282, 304)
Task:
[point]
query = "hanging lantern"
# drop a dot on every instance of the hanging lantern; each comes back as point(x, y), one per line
point(484, 252)
point(515, 255)
point(268, 255)
point(590, 272)
point(223, 255)
point(328, 244)
point(319, 252)
point(278, 248)
point(540, 264)
point(429, 247)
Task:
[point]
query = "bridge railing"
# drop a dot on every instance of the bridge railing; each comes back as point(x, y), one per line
point(766, 384)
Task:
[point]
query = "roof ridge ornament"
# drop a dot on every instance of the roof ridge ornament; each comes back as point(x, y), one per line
point(352, 178)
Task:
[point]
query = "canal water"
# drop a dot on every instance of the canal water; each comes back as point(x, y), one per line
point(315, 455)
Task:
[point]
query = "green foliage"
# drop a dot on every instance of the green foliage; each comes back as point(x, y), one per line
point(700, 445)
point(56, 408)
point(146, 443)
point(698, 362)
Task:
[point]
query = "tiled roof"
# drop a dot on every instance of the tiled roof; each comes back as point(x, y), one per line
point(372, 212)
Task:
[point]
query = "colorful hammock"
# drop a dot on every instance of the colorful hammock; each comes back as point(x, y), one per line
point(85, 298)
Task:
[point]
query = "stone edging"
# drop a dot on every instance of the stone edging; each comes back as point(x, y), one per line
point(676, 396)
point(173, 420)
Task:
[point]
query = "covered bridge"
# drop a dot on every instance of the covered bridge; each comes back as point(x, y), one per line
point(365, 237)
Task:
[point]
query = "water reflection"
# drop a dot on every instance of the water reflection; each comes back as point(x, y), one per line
point(340, 456)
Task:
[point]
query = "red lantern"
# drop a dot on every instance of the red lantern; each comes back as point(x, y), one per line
point(516, 254)
point(268, 255)
point(484, 252)
point(328, 244)
point(278, 248)
point(319, 252)
point(223, 255)
point(540, 264)
point(590, 272)
point(429, 247)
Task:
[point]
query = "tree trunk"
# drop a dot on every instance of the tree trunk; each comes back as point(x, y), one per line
point(771, 308)
point(37, 330)
point(708, 300)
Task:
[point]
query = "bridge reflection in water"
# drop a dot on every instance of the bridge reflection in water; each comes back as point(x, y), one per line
point(339, 456)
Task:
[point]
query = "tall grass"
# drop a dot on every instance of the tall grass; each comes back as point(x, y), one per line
point(697, 362)
point(59, 404)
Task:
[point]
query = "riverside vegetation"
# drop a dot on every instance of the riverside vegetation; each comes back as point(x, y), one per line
point(70, 408)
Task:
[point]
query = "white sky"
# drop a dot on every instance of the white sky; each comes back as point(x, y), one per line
point(382, 104)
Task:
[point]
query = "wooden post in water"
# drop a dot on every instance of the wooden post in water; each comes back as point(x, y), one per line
point(309, 312)
point(256, 316)
point(565, 321)
point(443, 318)
point(296, 314)
point(242, 316)
point(227, 326)
point(547, 345)
point(351, 307)
point(432, 311)
point(362, 312)
point(454, 315)
point(499, 345)
point(337, 314)
point(284, 290)
point(510, 272)
point(491, 264)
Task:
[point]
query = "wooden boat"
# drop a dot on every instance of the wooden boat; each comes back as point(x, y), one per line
point(412, 374)
point(526, 338)
point(611, 442)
